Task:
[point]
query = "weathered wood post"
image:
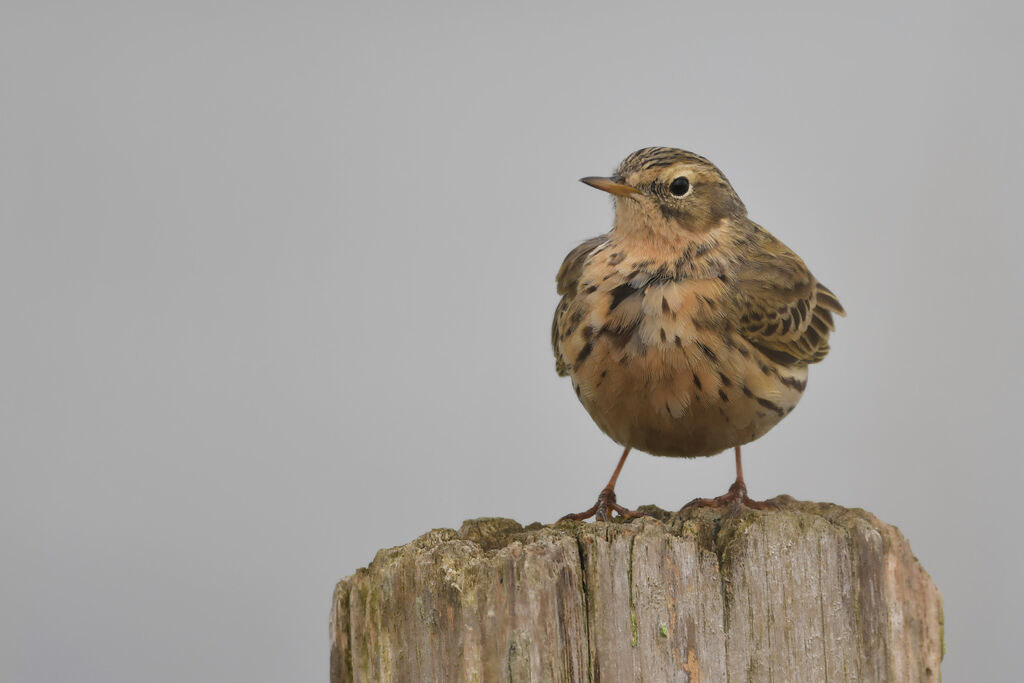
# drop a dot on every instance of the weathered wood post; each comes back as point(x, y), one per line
point(805, 592)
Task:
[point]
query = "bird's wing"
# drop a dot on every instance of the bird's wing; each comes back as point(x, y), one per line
point(568, 279)
point(572, 267)
point(783, 310)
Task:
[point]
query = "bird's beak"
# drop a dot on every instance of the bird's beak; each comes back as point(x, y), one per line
point(610, 185)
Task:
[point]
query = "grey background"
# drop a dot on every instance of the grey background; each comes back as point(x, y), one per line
point(277, 280)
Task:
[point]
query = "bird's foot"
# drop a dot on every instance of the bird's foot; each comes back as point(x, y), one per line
point(603, 508)
point(735, 500)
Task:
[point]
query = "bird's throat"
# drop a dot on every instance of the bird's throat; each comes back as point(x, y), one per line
point(642, 227)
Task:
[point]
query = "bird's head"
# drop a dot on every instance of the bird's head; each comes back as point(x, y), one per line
point(662, 189)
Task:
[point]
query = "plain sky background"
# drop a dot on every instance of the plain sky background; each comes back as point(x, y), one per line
point(276, 282)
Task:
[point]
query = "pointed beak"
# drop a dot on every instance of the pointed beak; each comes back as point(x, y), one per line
point(610, 185)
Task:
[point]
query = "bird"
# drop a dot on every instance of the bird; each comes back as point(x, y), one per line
point(687, 329)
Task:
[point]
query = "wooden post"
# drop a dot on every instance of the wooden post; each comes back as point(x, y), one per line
point(805, 592)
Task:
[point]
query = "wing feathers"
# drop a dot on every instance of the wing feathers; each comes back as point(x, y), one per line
point(783, 311)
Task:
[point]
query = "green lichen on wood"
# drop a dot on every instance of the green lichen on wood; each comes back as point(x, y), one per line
point(491, 533)
point(634, 629)
point(942, 630)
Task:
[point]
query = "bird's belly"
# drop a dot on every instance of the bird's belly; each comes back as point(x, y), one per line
point(692, 400)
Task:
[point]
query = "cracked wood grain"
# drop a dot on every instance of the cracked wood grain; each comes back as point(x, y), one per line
point(806, 592)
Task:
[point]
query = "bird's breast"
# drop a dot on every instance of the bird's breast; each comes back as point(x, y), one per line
point(659, 366)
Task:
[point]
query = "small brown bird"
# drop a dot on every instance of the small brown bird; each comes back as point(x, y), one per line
point(688, 328)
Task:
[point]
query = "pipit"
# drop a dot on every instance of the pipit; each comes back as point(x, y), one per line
point(688, 328)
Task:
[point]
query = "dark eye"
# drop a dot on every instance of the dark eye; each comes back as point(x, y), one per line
point(679, 186)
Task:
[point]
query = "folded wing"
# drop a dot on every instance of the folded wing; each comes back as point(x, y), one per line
point(783, 311)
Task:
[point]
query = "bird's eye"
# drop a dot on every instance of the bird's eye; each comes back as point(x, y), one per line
point(679, 186)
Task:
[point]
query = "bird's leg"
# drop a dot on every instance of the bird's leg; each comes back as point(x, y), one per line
point(737, 495)
point(605, 504)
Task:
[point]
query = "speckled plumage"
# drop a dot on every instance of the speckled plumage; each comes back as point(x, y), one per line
point(687, 329)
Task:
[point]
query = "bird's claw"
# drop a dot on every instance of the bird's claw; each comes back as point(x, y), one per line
point(602, 509)
point(736, 499)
